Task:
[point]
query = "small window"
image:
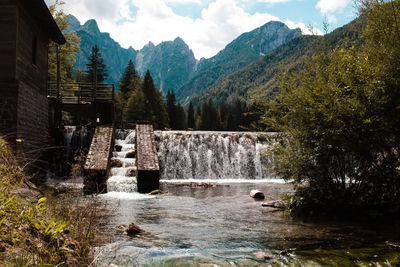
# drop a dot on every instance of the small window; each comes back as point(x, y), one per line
point(34, 50)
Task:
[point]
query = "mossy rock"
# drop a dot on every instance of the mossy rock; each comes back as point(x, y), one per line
point(131, 154)
point(116, 163)
point(156, 192)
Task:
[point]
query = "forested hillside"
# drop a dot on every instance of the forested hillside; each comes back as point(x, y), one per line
point(245, 49)
point(259, 78)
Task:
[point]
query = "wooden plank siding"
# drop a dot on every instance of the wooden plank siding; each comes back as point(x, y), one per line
point(8, 29)
point(24, 108)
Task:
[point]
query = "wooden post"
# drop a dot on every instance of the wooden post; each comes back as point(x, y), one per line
point(58, 73)
point(148, 171)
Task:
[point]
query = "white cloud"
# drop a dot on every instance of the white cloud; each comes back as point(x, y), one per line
point(269, 1)
point(305, 29)
point(329, 7)
point(220, 22)
point(184, 1)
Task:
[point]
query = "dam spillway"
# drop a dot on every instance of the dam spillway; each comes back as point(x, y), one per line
point(214, 155)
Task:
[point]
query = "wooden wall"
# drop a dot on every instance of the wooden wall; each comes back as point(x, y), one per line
point(8, 29)
point(8, 84)
point(23, 80)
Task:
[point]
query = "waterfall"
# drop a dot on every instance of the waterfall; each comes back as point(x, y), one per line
point(213, 155)
point(122, 174)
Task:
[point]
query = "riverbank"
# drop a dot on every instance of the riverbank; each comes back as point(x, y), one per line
point(36, 227)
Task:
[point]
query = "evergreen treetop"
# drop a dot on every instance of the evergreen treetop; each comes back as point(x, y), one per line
point(96, 66)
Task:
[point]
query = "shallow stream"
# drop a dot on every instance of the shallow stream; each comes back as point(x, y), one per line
point(204, 221)
point(220, 224)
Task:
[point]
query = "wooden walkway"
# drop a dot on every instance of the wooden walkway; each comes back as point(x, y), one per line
point(148, 170)
point(97, 162)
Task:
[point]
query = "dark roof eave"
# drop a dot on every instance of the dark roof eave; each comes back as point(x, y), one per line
point(42, 15)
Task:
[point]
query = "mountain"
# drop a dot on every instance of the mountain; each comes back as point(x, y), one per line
point(115, 57)
point(259, 77)
point(171, 63)
point(245, 49)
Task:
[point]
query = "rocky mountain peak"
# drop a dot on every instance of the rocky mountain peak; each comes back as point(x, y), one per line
point(91, 26)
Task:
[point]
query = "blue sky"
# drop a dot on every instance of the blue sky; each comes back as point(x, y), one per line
point(207, 26)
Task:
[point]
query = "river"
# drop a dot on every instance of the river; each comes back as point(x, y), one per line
point(201, 221)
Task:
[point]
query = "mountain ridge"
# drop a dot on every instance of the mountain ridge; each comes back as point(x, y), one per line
point(259, 77)
point(245, 49)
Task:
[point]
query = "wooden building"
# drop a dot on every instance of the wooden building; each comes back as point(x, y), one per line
point(26, 26)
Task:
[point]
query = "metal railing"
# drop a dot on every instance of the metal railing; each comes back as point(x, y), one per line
point(81, 93)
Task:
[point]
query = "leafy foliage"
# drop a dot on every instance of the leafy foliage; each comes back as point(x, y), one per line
point(67, 51)
point(30, 234)
point(338, 118)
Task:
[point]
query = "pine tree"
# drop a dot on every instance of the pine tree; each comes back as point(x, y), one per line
point(130, 74)
point(136, 107)
point(156, 106)
point(96, 66)
point(190, 118)
point(172, 110)
point(180, 118)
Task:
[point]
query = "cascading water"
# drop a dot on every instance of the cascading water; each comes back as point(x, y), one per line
point(123, 179)
point(213, 155)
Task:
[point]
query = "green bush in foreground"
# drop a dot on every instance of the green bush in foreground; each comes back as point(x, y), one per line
point(30, 232)
point(341, 123)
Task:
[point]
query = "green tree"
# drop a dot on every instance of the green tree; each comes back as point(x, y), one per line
point(130, 74)
point(172, 110)
point(96, 67)
point(340, 124)
point(136, 107)
point(67, 51)
point(191, 122)
point(156, 106)
point(181, 123)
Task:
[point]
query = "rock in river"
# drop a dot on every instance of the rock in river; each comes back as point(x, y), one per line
point(257, 194)
point(133, 229)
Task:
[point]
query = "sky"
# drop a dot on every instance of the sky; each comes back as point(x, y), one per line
point(207, 26)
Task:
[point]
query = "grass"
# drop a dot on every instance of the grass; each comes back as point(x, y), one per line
point(45, 231)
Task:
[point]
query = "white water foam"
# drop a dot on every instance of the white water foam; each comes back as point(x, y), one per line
point(224, 181)
point(123, 180)
point(125, 195)
point(214, 155)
